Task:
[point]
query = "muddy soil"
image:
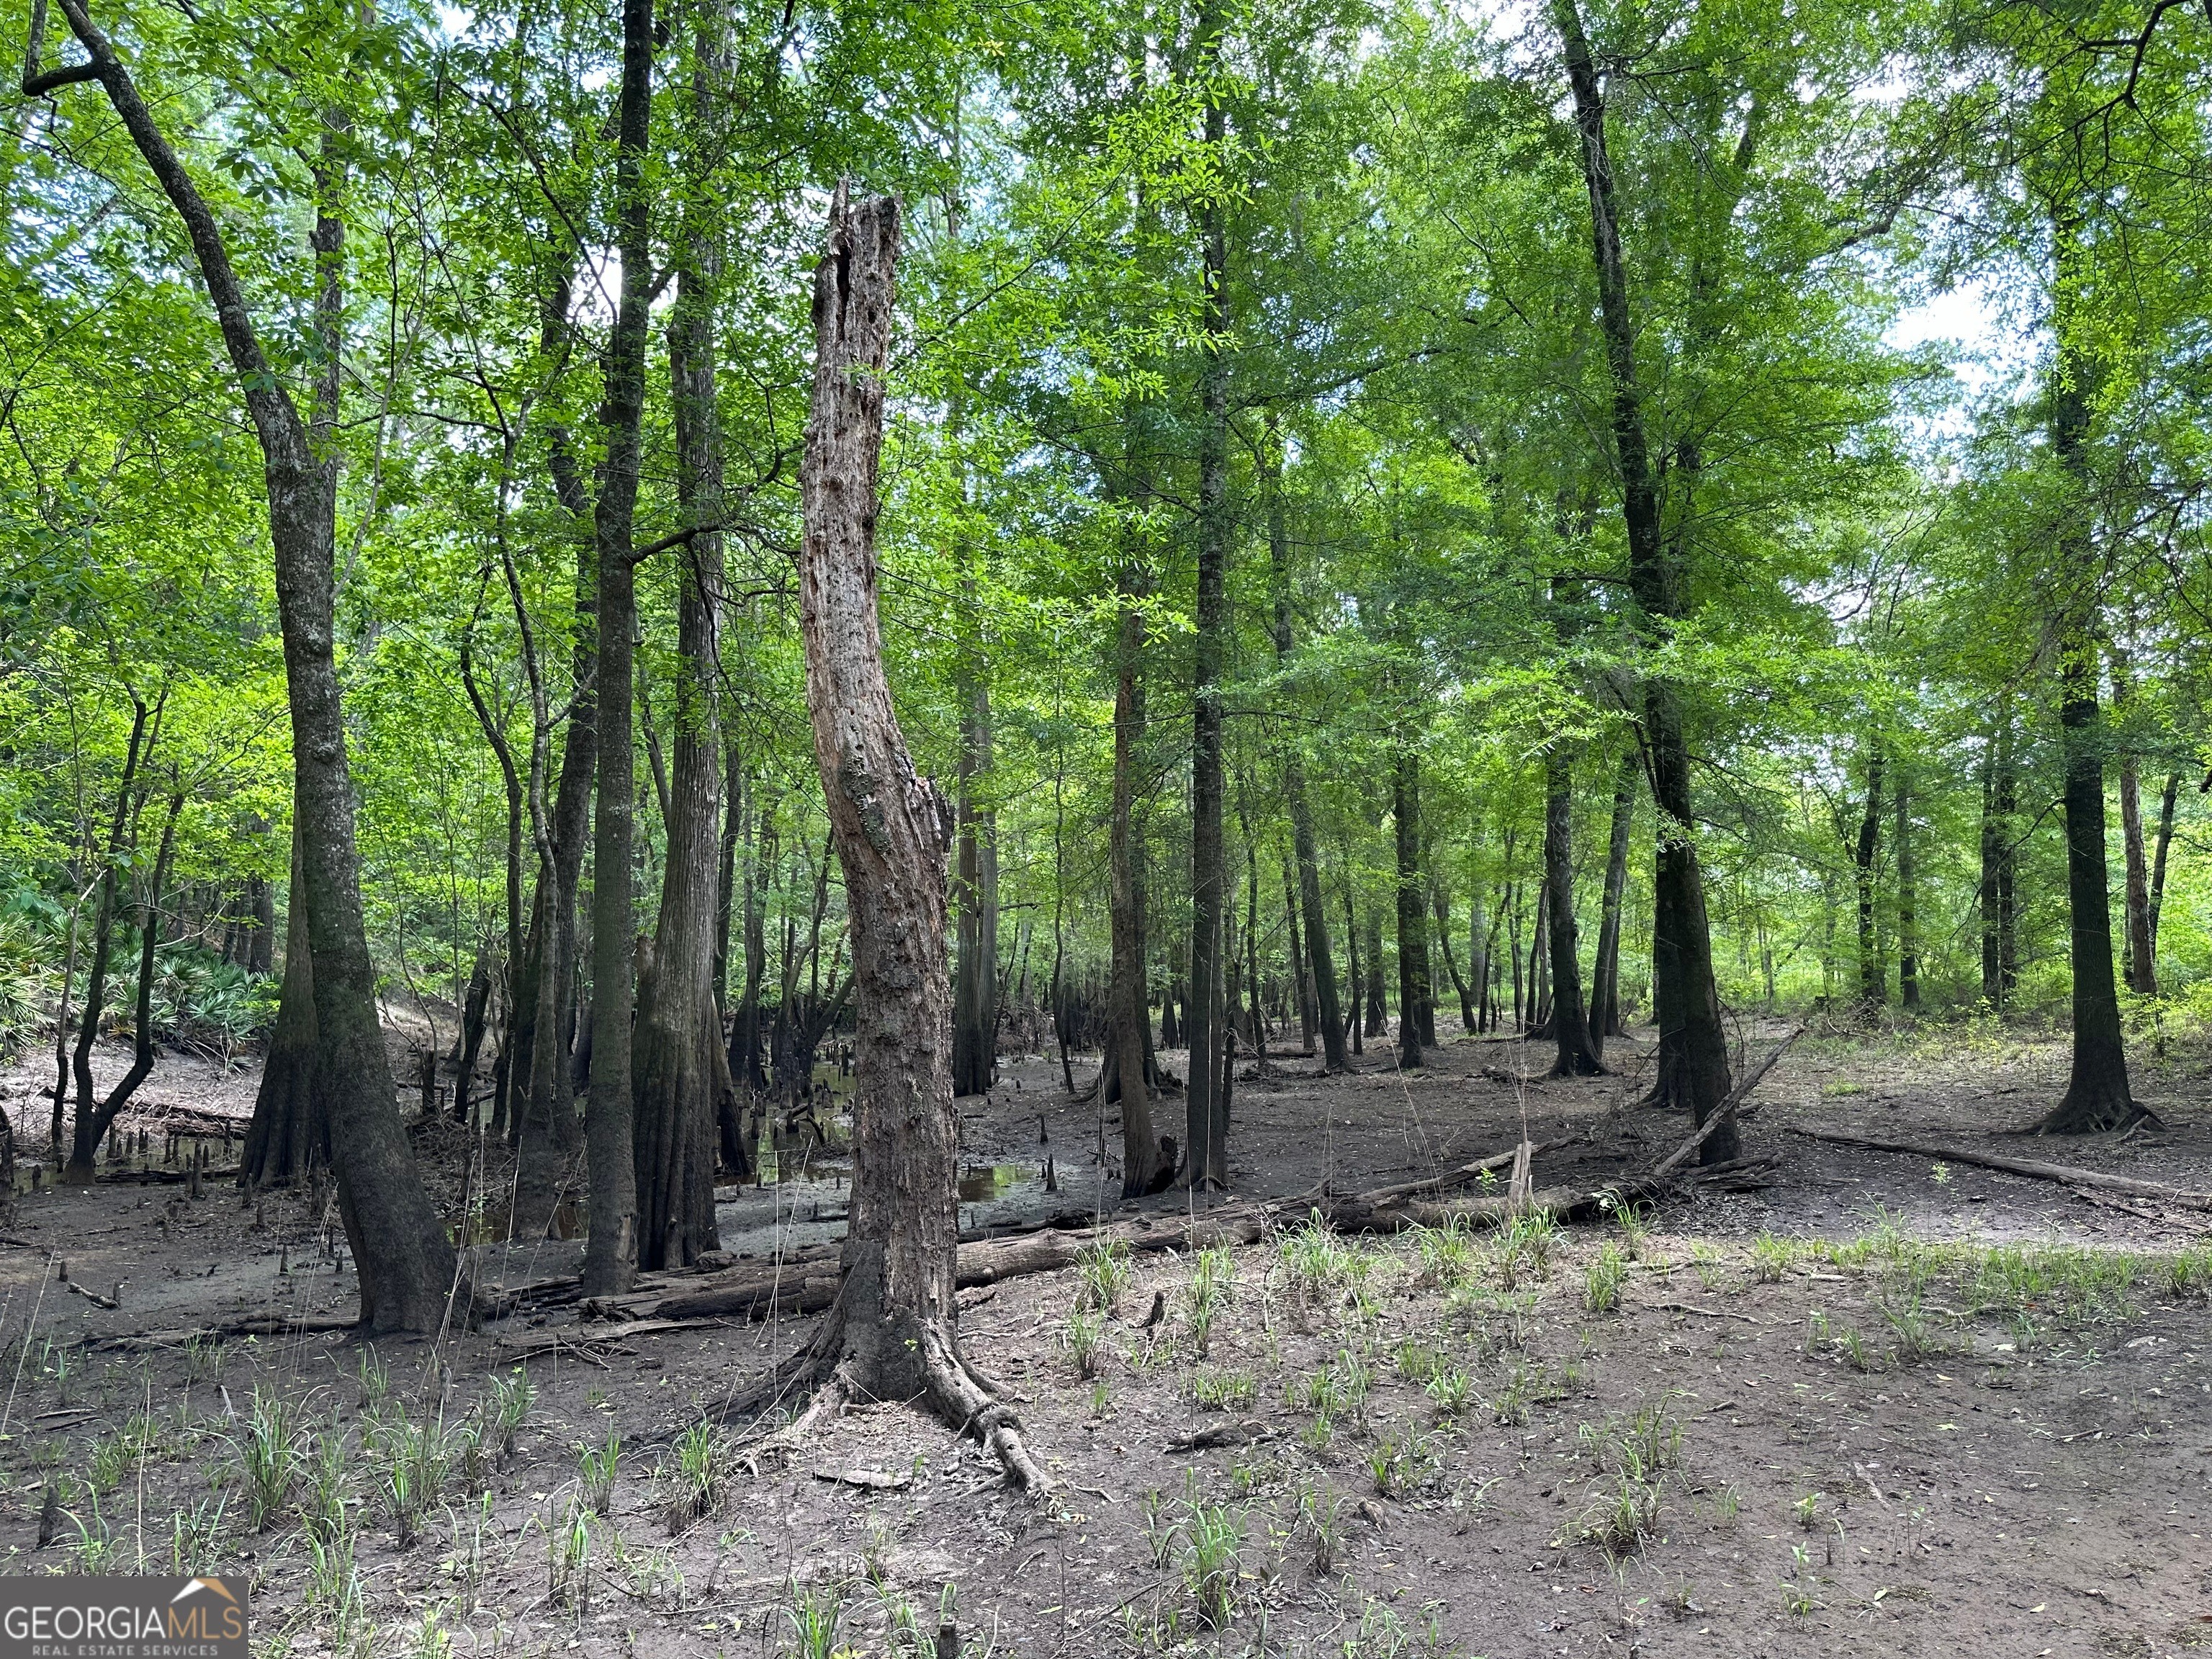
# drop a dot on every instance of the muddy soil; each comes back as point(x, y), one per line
point(1919, 1410)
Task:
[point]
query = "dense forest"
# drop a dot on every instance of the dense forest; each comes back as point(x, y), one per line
point(610, 616)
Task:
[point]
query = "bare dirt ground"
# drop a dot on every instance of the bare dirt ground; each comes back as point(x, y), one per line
point(1859, 1403)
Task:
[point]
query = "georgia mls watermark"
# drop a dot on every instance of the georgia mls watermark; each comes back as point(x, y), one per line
point(122, 1619)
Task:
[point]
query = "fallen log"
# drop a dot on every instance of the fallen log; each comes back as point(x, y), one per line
point(527, 1343)
point(248, 1325)
point(1464, 1173)
point(2066, 1175)
point(807, 1281)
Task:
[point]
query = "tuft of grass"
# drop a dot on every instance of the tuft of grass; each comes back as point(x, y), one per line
point(1636, 1454)
point(1525, 1248)
point(1452, 1389)
point(1402, 1463)
point(268, 1453)
point(698, 1477)
point(1417, 1362)
point(1213, 1535)
point(1448, 1254)
point(568, 1559)
point(196, 1537)
point(510, 1401)
point(595, 1473)
point(410, 1462)
point(1770, 1257)
point(1620, 1521)
point(815, 1618)
point(96, 1549)
point(1601, 1279)
point(1082, 1336)
point(334, 1593)
point(1314, 1261)
point(1102, 1274)
point(1706, 1261)
point(1210, 1282)
point(1319, 1524)
point(1635, 1231)
point(1224, 1390)
point(375, 1379)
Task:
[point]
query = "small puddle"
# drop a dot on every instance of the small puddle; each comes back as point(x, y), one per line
point(984, 1181)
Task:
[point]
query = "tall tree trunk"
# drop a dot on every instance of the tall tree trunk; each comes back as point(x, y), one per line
point(2007, 804)
point(1412, 919)
point(262, 894)
point(287, 1140)
point(407, 1262)
point(975, 991)
point(1987, 892)
point(1693, 1067)
point(1908, 896)
point(1440, 901)
point(1129, 1018)
point(1605, 975)
point(95, 1118)
point(1378, 1012)
point(1355, 984)
point(1301, 972)
point(892, 1333)
point(543, 1077)
point(611, 1255)
point(1576, 1055)
point(1539, 964)
point(1206, 1160)
point(681, 1081)
point(2097, 1096)
point(2158, 859)
point(747, 1054)
point(1872, 990)
point(976, 892)
point(1319, 959)
point(2140, 957)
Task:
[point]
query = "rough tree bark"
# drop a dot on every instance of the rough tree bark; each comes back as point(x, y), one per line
point(1605, 975)
point(287, 1140)
point(892, 1333)
point(1413, 911)
point(1692, 1044)
point(1206, 1156)
point(610, 1253)
point(405, 1260)
point(1577, 1056)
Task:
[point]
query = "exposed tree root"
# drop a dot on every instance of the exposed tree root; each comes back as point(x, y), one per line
point(940, 1378)
point(962, 1399)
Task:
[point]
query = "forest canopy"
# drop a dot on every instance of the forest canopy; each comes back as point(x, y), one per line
point(1557, 517)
